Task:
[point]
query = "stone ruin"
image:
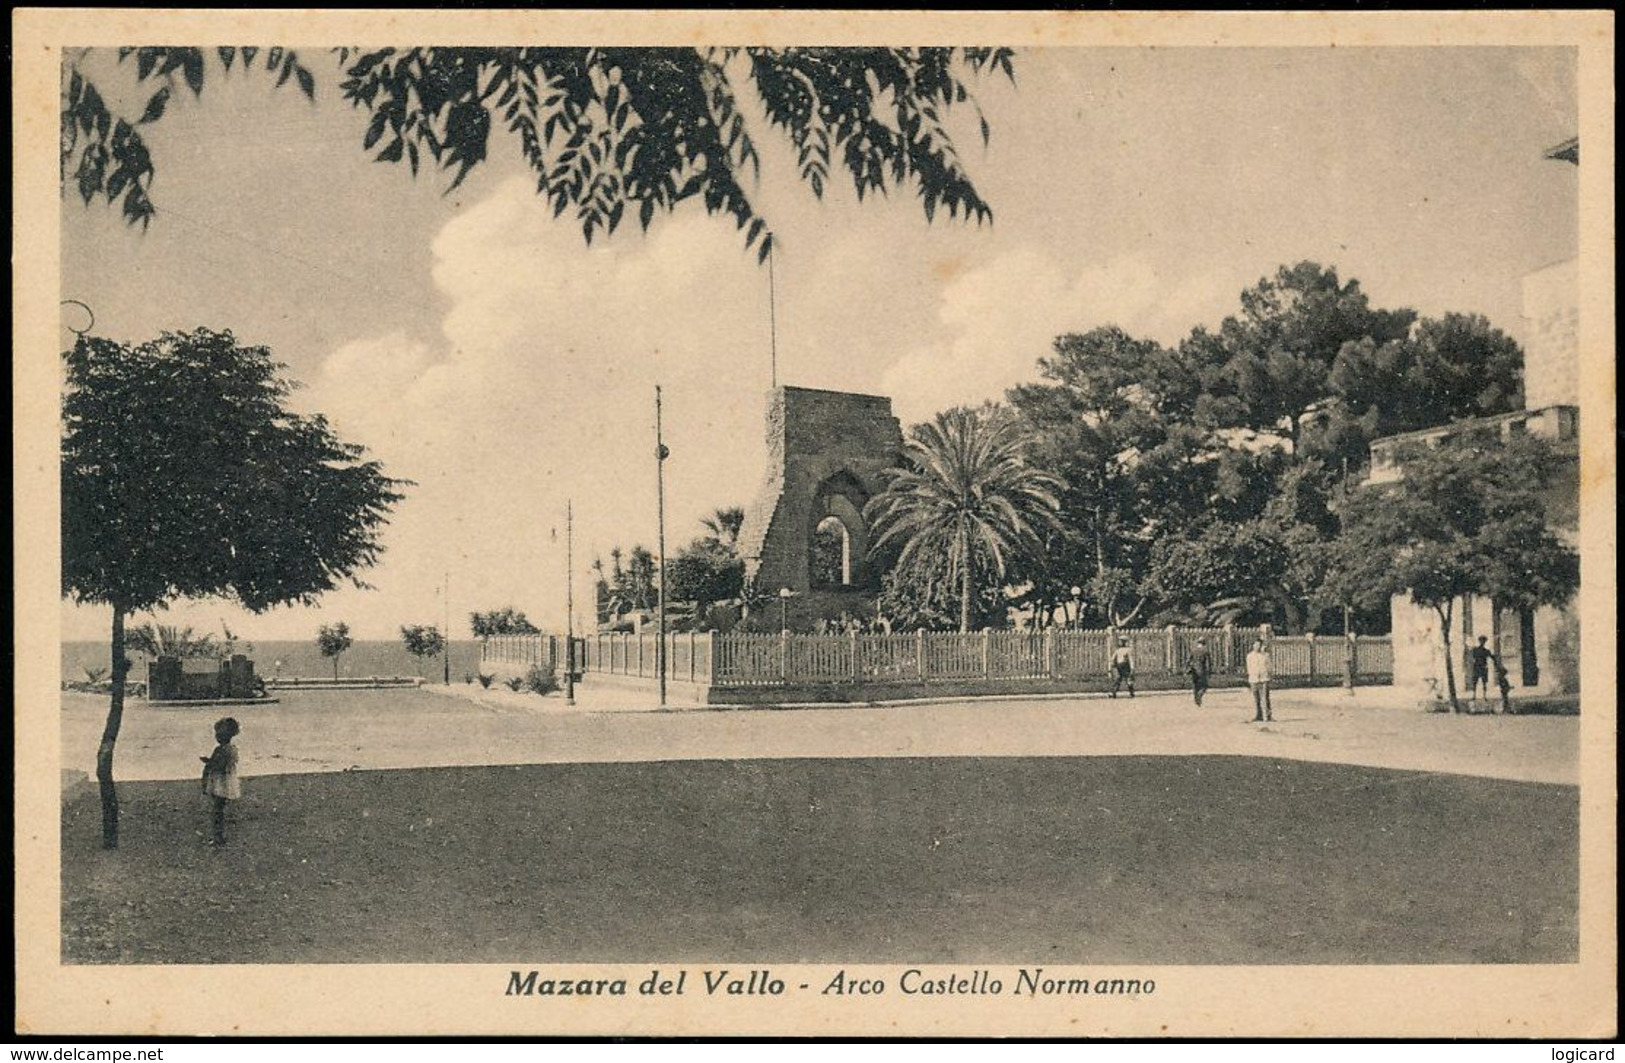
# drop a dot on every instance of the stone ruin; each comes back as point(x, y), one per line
point(826, 451)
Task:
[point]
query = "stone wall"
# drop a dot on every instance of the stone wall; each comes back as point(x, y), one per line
point(1551, 311)
point(826, 453)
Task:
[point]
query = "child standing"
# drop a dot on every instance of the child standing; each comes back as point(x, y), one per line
point(220, 780)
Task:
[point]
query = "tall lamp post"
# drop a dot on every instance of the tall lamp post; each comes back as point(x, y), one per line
point(1077, 608)
point(784, 608)
point(569, 604)
point(661, 454)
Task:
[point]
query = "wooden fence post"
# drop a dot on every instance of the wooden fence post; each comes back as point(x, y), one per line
point(693, 638)
point(857, 671)
point(1353, 656)
point(1169, 653)
point(784, 656)
point(987, 653)
point(1049, 652)
point(919, 652)
point(1311, 641)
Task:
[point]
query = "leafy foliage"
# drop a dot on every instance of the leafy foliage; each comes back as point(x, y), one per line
point(333, 640)
point(423, 640)
point(1181, 461)
point(103, 154)
point(966, 486)
point(605, 131)
point(541, 680)
point(504, 621)
point(169, 640)
point(1467, 517)
point(185, 475)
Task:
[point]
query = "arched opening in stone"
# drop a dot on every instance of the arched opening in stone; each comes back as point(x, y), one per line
point(831, 560)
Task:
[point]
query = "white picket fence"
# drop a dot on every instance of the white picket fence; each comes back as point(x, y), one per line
point(747, 660)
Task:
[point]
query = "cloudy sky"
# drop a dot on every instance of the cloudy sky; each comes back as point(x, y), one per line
point(480, 349)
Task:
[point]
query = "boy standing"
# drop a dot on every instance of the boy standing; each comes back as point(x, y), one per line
point(1122, 667)
point(1258, 677)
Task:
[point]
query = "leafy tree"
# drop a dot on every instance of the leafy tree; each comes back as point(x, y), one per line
point(920, 595)
point(333, 640)
point(1280, 349)
point(423, 641)
point(603, 130)
point(1447, 369)
point(1116, 418)
point(966, 485)
point(701, 577)
point(504, 621)
point(184, 475)
point(1467, 517)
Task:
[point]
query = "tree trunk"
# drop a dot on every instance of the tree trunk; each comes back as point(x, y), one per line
point(1445, 614)
point(962, 547)
point(964, 600)
point(104, 752)
point(335, 667)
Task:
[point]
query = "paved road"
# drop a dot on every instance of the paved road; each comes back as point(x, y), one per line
point(435, 727)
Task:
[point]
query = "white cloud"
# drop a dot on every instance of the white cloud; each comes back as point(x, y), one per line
point(541, 389)
point(1000, 318)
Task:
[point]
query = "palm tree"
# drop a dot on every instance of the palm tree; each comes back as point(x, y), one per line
point(724, 527)
point(965, 488)
point(170, 640)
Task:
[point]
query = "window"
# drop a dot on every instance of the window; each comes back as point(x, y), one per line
point(831, 553)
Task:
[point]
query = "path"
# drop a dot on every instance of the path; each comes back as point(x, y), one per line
point(320, 732)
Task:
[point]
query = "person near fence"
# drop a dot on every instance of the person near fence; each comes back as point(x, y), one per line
point(220, 780)
point(1480, 657)
point(1200, 668)
point(1258, 678)
point(1122, 668)
point(1503, 682)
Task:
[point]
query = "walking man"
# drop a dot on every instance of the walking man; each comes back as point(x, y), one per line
point(1200, 667)
point(1258, 677)
point(1122, 667)
point(1480, 657)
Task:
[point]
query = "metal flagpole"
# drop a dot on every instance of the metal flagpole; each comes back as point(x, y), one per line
point(661, 453)
point(569, 604)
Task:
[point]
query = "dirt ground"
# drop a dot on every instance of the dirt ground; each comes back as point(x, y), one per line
point(442, 727)
point(1131, 859)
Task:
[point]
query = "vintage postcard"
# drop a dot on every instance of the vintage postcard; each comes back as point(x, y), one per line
point(815, 523)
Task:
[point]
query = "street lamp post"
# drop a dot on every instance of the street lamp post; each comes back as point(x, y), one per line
point(569, 604)
point(784, 608)
point(1077, 608)
point(661, 454)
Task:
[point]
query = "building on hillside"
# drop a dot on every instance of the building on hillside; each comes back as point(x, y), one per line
point(1540, 648)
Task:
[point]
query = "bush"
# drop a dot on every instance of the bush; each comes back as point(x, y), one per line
point(468, 677)
point(514, 684)
point(486, 680)
point(540, 680)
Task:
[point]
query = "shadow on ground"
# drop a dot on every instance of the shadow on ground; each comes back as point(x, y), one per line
point(1148, 860)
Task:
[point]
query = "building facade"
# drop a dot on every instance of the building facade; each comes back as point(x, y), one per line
point(1540, 648)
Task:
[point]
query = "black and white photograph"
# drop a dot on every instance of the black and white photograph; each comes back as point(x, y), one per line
point(847, 530)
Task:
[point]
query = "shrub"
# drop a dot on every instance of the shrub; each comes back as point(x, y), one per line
point(514, 684)
point(486, 680)
point(468, 677)
point(540, 680)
